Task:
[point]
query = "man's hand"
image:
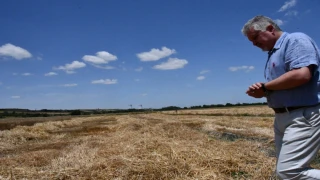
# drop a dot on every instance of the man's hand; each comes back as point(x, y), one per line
point(255, 90)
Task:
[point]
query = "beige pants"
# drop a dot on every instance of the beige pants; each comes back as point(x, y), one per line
point(297, 139)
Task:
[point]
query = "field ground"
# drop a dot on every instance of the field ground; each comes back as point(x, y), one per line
point(230, 143)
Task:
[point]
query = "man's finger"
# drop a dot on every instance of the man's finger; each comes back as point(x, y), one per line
point(256, 86)
point(252, 87)
point(259, 85)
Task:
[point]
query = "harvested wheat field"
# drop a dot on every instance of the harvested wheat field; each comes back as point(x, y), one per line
point(160, 145)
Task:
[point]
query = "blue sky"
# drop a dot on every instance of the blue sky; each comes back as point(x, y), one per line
point(110, 54)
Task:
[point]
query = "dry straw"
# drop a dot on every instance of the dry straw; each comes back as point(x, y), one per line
point(145, 146)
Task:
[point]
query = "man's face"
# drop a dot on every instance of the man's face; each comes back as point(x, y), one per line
point(264, 40)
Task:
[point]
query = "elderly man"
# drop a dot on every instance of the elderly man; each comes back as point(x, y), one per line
point(292, 90)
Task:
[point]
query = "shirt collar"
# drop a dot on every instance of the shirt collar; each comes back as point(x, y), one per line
point(279, 42)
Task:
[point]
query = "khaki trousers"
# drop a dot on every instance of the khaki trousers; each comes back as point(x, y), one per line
point(297, 139)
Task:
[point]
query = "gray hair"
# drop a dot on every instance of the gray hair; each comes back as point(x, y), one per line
point(259, 23)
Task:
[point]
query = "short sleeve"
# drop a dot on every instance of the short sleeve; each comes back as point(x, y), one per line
point(301, 52)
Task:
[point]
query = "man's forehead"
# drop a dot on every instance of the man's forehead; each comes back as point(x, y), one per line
point(252, 31)
point(251, 34)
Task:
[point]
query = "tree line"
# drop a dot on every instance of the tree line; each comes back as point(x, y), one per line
point(59, 112)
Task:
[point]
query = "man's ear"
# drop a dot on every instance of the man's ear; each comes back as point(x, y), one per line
point(270, 28)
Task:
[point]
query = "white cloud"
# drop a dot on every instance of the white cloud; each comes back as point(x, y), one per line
point(137, 80)
point(144, 94)
point(69, 85)
point(155, 54)
point(0, 83)
point(287, 5)
point(101, 57)
point(102, 67)
point(245, 68)
point(14, 51)
point(94, 59)
point(291, 13)
point(204, 71)
point(69, 68)
point(105, 81)
point(172, 63)
point(279, 22)
point(106, 56)
point(139, 69)
point(15, 74)
point(51, 74)
point(15, 97)
point(26, 74)
point(200, 78)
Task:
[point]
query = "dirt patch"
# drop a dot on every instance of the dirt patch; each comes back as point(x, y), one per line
point(10, 123)
point(34, 147)
point(89, 127)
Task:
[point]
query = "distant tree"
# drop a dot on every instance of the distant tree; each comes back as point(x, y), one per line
point(170, 108)
point(229, 104)
point(75, 112)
